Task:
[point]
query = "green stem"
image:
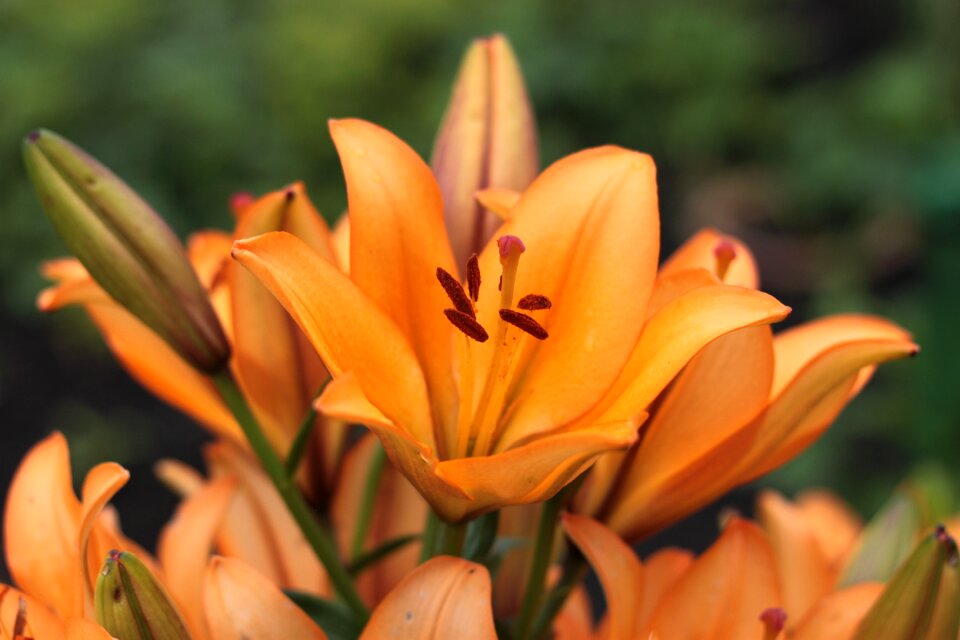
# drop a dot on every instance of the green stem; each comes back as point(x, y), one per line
point(574, 568)
point(299, 444)
point(318, 539)
point(431, 531)
point(367, 501)
point(542, 552)
point(453, 537)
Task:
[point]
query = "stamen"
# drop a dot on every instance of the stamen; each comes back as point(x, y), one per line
point(20, 624)
point(534, 302)
point(456, 293)
point(773, 619)
point(525, 323)
point(466, 324)
point(724, 253)
point(473, 277)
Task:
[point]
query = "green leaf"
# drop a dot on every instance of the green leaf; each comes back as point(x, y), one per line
point(334, 618)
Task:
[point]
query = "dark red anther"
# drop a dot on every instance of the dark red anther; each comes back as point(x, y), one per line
point(455, 292)
point(467, 324)
point(525, 323)
point(20, 622)
point(473, 277)
point(534, 302)
point(500, 284)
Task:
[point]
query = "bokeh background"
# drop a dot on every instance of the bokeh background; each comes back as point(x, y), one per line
point(824, 132)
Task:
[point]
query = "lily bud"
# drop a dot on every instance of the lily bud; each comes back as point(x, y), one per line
point(885, 542)
point(946, 613)
point(905, 607)
point(126, 247)
point(488, 139)
point(132, 605)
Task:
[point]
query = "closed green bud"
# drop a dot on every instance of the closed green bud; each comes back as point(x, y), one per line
point(886, 541)
point(132, 605)
point(946, 614)
point(126, 247)
point(905, 608)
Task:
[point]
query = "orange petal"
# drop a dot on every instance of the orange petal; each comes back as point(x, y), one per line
point(661, 572)
point(347, 329)
point(341, 243)
point(578, 221)
point(209, 253)
point(397, 241)
point(718, 393)
point(837, 615)
point(529, 473)
point(442, 598)
point(797, 347)
point(184, 547)
point(619, 570)
point(100, 485)
point(258, 528)
point(266, 345)
point(178, 476)
point(498, 201)
point(41, 622)
point(723, 594)
point(677, 332)
point(80, 629)
point(805, 571)
point(41, 523)
point(240, 603)
point(807, 404)
point(700, 252)
point(575, 620)
point(834, 524)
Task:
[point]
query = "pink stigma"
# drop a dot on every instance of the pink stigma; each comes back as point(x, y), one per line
point(510, 245)
point(774, 618)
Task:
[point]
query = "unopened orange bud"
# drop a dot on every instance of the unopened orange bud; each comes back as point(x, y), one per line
point(488, 139)
point(126, 247)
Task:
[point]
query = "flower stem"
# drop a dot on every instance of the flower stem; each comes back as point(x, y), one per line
point(318, 539)
point(431, 531)
point(542, 551)
point(367, 501)
point(574, 568)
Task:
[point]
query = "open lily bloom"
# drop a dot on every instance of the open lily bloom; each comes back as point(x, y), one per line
point(747, 403)
point(737, 589)
point(276, 368)
point(502, 391)
point(56, 546)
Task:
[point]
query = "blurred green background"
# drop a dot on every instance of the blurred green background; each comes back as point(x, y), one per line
point(825, 133)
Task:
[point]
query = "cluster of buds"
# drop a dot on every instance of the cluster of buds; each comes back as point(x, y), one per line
point(568, 388)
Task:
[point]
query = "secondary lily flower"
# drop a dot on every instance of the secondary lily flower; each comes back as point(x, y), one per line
point(502, 391)
point(746, 404)
point(276, 368)
point(56, 546)
point(737, 589)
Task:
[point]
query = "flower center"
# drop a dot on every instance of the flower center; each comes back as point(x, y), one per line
point(478, 429)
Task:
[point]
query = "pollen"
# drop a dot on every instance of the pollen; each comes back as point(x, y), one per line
point(455, 292)
point(473, 277)
point(525, 323)
point(534, 302)
point(467, 324)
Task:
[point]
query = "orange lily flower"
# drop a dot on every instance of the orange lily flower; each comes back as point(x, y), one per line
point(56, 545)
point(738, 588)
point(478, 424)
point(276, 368)
point(258, 530)
point(746, 404)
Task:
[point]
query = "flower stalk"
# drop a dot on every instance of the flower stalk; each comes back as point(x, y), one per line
point(321, 543)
